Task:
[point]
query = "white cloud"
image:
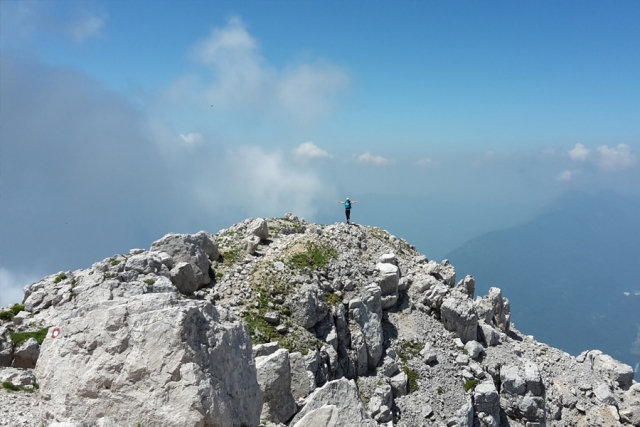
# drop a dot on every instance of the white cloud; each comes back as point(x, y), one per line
point(88, 26)
point(565, 175)
point(616, 158)
point(426, 162)
point(243, 78)
point(191, 139)
point(579, 153)
point(264, 184)
point(242, 75)
point(308, 150)
point(310, 91)
point(374, 160)
point(12, 285)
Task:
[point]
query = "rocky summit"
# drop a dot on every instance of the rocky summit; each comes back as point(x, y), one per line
point(281, 322)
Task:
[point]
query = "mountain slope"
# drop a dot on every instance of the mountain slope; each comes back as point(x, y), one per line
point(566, 272)
point(281, 322)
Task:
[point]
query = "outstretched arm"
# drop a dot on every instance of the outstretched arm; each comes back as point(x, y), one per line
point(340, 202)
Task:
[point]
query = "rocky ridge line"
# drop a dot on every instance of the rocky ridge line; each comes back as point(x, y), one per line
point(283, 322)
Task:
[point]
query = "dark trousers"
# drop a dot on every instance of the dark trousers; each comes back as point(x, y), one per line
point(348, 213)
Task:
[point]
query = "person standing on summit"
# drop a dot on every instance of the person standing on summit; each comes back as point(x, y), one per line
point(347, 208)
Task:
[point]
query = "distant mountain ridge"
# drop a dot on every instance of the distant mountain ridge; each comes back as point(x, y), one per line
point(567, 271)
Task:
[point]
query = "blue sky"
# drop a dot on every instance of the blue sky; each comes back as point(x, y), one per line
point(122, 121)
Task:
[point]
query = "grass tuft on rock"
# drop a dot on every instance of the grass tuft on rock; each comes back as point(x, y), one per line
point(469, 384)
point(409, 349)
point(412, 376)
point(315, 256)
point(331, 299)
point(8, 385)
point(230, 256)
point(60, 277)
point(19, 337)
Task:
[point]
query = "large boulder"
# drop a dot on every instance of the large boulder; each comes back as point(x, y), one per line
point(343, 394)
point(607, 365)
point(443, 272)
point(487, 403)
point(144, 263)
point(26, 354)
point(522, 392)
point(308, 306)
point(467, 286)
point(259, 228)
point(367, 314)
point(195, 249)
point(389, 278)
point(299, 376)
point(274, 377)
point(459, 316)
point(184, 278)
point(152, 360)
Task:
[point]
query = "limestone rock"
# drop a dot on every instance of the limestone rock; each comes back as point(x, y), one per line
point(17, 376)
point(604, 395)
point(166, 259)
point(26, 355)
point(342, 394)
point(260, 350)
point(382, 397)
point(617, 371)
point(460, 317)
point(464, 416)
point(325, 416)
point(6, 354)
point(259, 228)
point(192, 248)
point(487, 401)
point(389, 278)
point(388, 301)
point(208, 245)
point(20, 318)
point(487, 334)
point(143, 263)
point(399, 384)
point(474, 349)
point(308, 306)
point(250, 244)
point(443, 271)
point(389, 258)
point(299, 376)
point(152, 359)
point(467, 286)
point(520, 394)
point(274, 377)
point(368, 317)
point(435, 296)
point(501, 309)
point(184, 278)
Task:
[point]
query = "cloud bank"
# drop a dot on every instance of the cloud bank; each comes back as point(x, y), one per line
point(616, 158)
